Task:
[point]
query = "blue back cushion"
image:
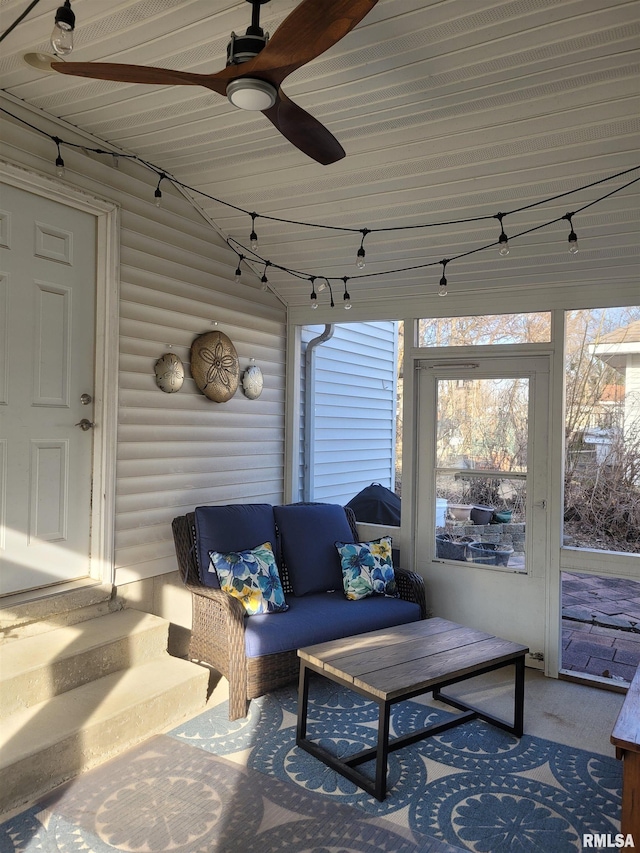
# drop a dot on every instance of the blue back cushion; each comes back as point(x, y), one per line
point(233, 527)
point(308, 535)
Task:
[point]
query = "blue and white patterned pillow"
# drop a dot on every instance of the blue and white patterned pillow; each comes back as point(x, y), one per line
point(251, 576)
point(367, 568)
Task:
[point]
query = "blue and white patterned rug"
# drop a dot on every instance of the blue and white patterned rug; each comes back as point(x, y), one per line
point(474, 786)
point(211, 786)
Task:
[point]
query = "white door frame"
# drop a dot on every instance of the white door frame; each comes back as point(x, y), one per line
point(498, 585)
point(107, 216)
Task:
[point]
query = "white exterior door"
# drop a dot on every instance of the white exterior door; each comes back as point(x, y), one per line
point(483, 441)
point(47, 327)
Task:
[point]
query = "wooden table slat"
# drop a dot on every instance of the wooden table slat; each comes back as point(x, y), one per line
point(363, 661)
point(373, 640)
point(419, 675)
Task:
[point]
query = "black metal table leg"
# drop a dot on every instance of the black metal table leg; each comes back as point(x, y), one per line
point(303, 702)
point(384, 710)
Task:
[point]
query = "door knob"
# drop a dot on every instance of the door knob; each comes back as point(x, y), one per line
point(85, 424)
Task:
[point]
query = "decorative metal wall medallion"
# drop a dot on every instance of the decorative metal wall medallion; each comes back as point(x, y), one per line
point(169, 373)
point(252, 382)
point(214, 366)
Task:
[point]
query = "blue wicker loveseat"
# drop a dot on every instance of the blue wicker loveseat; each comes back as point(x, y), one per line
point(258, 653)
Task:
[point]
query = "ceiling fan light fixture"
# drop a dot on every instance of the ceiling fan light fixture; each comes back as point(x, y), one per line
point(42, 61)
point(249, 93)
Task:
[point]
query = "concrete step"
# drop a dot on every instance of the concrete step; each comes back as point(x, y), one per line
point(49, 743)
point(37, 667)
point(23, 615)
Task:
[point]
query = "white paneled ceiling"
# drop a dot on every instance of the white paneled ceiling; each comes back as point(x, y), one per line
point(447, 109)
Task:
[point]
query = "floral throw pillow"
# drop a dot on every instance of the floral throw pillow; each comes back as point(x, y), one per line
point(251, 576)
point(367, 568)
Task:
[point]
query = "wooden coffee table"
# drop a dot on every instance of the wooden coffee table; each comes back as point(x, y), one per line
point(395, 664)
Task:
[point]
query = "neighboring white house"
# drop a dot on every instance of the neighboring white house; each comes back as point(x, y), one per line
point(620, 350)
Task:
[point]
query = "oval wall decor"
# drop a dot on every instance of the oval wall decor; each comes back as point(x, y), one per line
point(169, 373)
point(214, 366)
point(252, 382)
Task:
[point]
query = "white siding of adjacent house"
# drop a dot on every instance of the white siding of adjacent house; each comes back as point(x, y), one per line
point(175, 451)
point(353, 434)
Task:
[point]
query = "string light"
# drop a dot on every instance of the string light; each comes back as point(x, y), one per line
point(314, 296)
point(573, 237)
point(158, 193)
point(443, 281)
point(253, 237)
point(346, 296)
point(59, 160)
point(264, 278)
point(63, 27)
point(503, 240)
point(360, 262)
point(238, 270)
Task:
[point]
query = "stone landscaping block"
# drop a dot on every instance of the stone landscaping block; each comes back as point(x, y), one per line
point(578, 612)
point(613, 621)
point(613, 608)
point(607, 632)
point(581, 627)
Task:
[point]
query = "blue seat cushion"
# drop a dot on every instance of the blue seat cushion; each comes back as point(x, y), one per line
point(232, 527)
point(308, 533)
point(322, 617)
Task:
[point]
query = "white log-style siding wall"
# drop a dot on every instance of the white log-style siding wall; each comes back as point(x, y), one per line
point(174, 451)
point(354, 410)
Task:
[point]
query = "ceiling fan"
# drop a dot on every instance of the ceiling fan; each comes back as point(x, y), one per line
point(256, 67)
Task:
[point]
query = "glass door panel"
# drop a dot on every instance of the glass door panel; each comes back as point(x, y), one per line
point(480, 471)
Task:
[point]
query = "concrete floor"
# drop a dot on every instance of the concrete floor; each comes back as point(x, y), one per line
point(600, 626)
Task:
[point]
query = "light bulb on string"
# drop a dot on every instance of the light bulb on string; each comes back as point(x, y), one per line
point(253, 237)
point(314, 296)
point(346, 296)
point(503, 240)
point(264, 278)
point(62, 34)
point(158, 193)
point(238, 274)
point(443, 281)
point(360, 261)
point(59, 160)
point(573, 237)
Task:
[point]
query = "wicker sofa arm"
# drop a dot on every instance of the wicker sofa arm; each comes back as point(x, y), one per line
point(411, 588)
point(229, 608)
point(217, 633)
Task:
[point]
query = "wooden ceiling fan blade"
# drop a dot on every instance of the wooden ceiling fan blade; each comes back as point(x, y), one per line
point(304, 131)
point(119, 73)
point(310, 29)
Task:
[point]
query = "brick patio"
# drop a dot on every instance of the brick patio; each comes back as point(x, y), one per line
point(600, 626)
